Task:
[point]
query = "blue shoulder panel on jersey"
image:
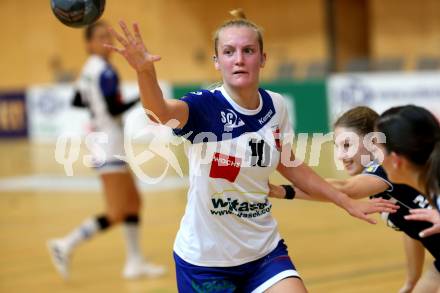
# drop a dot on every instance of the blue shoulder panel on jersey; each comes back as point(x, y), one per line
point(199, 111)
point(109, 82)
point(212, 117)
point(374, 168)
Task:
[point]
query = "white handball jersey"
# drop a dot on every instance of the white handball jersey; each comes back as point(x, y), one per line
point(98, 82)
point(233, 150)
point(98, 87)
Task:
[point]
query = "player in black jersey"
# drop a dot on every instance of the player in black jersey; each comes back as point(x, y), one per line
point(372, 181)
point(412, 153)
point(412, 156)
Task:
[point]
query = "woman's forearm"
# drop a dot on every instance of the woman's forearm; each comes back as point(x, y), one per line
point(307, 180)
point(151, 95)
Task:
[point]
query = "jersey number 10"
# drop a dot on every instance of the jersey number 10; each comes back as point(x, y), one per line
point(260, 153)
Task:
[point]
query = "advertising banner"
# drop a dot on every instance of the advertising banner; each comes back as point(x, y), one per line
point(381, 91)
point(51, 114)
point(13, 118)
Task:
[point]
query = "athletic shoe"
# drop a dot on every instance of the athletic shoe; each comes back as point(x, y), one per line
point(139, 269)
point(60, 257)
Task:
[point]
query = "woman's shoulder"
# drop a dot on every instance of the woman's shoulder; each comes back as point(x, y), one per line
point(375, 168)
point(199, 96)
point(274, 95)
point(278, 99)
point(200, 93)
point(94, 65)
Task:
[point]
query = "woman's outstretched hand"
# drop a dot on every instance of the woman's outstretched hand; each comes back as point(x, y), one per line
point(133, 48)
point(426, 215)
point(360, 209)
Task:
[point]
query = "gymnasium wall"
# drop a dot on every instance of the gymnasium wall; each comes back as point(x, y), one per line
point(405, 28)
point(180, 31)
point(37, 49)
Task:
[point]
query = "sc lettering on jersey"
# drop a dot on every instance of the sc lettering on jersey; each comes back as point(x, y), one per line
point(230, 119)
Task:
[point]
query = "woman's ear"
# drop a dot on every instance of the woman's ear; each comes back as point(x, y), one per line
point(216, 65)
point(396, 160)
point(263, 60)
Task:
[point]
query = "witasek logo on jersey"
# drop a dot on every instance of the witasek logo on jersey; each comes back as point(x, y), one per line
point(243, 209)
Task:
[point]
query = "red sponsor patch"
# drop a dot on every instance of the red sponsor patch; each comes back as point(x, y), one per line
point(225, 167)
point(276, 135)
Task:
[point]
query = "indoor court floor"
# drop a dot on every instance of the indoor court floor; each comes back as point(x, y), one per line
point(332, 251)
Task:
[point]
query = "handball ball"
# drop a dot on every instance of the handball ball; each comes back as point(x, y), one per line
point(78, 13)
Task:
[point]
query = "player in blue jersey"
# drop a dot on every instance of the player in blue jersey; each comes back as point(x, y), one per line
point(98, 90)
point(228, 240)
point(370, 179)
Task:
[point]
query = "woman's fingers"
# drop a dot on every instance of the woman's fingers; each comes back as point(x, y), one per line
point(127, 33)
point(120, 51)
point(379, 208)
point(430, 231)
point(118, 37)
point(426, 215)
point(137, 34)
point(154, 58)
point(360, 210)
point(133, 50)
point(418, 217)
point(429, 215)
point(418, 211)
point(431, 212)
point(387, 207)
point(367, 219)
point(383, 203)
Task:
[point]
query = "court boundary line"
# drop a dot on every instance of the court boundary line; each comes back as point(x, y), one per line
point(56, 183)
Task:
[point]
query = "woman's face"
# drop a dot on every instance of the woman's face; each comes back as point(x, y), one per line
point(350, 149)
point(100, 36)
point(239, 58)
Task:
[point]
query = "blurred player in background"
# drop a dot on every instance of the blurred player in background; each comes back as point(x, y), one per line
point(228, 240)
point(98, 90)
point(372, 181)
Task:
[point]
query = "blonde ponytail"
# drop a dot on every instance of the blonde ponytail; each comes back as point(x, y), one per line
point(238, 13)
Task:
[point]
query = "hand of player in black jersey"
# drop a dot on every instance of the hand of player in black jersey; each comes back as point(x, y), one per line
point(360, 209)
point(426, 215)
point(134, 50)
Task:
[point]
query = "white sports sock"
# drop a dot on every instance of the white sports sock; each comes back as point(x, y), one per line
point(85, 231)
point(131, 233)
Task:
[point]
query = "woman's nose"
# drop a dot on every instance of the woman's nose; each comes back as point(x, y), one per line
point(239, 58)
